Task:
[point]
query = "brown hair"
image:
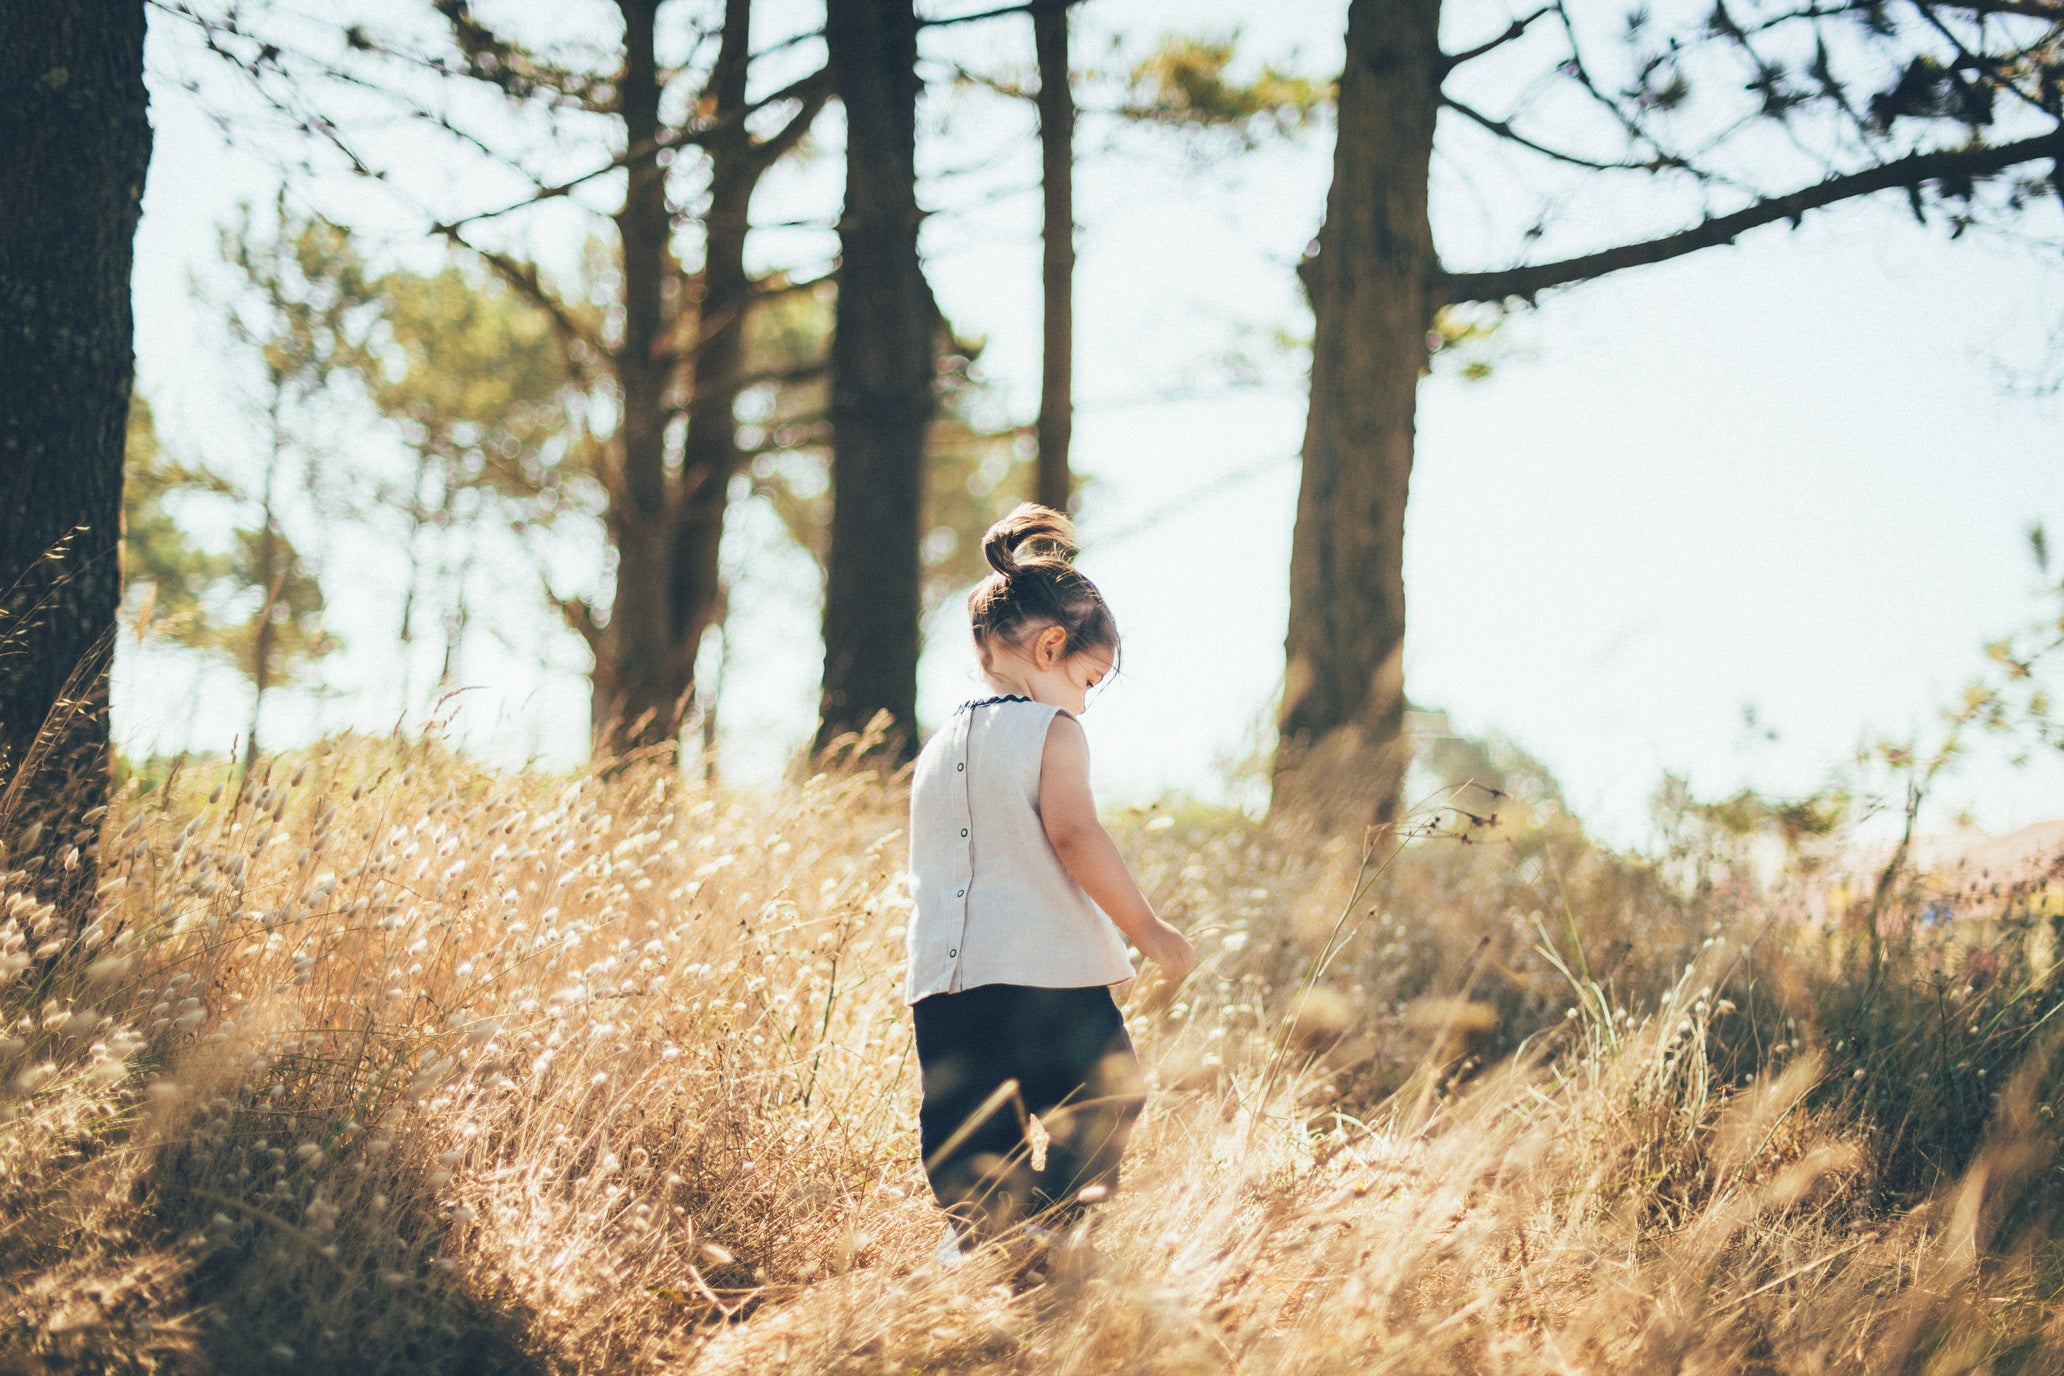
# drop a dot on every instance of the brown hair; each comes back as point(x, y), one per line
point(1036, 585)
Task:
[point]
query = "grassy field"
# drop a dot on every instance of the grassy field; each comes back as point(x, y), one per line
point(386, 1063)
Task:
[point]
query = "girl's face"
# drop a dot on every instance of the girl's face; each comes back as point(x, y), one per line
point(1037, 669)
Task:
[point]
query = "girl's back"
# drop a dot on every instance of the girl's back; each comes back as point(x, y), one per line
point(993, 902)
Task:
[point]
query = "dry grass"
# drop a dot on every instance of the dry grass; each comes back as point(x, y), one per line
point(390, 1063)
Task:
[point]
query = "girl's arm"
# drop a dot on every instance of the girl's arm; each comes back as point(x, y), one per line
point(1069, 815)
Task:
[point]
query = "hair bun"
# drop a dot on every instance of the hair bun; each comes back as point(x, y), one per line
point(1036, 584)
point(1046, 536)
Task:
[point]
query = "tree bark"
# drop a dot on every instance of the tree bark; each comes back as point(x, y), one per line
point(74, 122)
point(882, 361)
point(1057, 263)
point(643, 674)
point(1341, 754)
point(668, 531)
point(709, 454)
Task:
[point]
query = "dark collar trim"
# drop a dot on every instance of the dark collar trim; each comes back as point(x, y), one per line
point(984, 702)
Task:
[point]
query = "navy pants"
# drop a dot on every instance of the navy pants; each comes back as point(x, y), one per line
point(998, 1054)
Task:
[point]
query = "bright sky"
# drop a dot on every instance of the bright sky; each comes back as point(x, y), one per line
point(1793, 474)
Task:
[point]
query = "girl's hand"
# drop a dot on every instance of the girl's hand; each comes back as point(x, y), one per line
point(1169, 949)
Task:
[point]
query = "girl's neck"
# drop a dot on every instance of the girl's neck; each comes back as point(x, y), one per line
point(1003, 685)
point(1033, 688)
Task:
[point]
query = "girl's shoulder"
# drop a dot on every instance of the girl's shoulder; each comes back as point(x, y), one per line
point(1013, 716)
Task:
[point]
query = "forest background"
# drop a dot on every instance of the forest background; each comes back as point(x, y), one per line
point(1726, 517)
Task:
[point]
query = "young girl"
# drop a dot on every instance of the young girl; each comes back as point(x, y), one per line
point(1020, 899)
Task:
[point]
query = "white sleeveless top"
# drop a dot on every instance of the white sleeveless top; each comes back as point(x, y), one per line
point(993, 902)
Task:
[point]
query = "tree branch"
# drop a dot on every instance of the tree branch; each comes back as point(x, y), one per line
point(580, 617)
point(1025, 8)
point(1504, 130)
point(792, 41)
point(1580, 72)
point(804, 89)
point(2027, 9)
point(514, 70)
point(782, 141)
point(1994, 69)
point(271, 69)
point(2051, 10)
point(1450, 61)
point(1910, 172)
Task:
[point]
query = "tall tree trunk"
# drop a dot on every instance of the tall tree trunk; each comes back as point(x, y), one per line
point(881, 381)
point(1341, 753)
point(709, 455)
point(641, 689)
point(1057, 263)
point(74, 123)
point(669, 532)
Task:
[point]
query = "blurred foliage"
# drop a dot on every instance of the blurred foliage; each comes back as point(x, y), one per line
point(492, 414)
point(166, 573)
point(2008, 701)
point(301, 307)
point(1745, 813)
point(1187, 83)
point(177, 588)
point(257, 605)
point(480, 387)
point(289, 596)
point(1465, 335)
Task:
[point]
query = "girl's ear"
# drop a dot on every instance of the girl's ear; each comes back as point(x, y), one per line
point(1048, 646)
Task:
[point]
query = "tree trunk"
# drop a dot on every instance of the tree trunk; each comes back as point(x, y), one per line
point(709, 455)
point(1057, 264)
point(1341, 752)
point(881, 382)
point(73, 120)
point(643, 674)
point(669, 532)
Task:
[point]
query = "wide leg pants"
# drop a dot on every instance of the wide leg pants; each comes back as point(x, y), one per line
point(997, 1055)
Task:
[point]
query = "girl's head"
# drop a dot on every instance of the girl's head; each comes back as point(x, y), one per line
point(1039, 625)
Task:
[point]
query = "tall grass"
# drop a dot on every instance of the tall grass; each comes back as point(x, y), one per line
point(380, 1061)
